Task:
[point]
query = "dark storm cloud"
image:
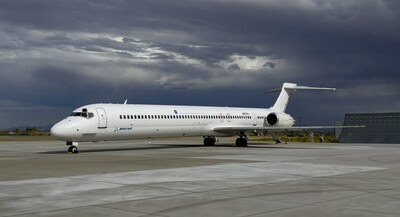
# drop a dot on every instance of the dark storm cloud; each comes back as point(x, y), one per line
point(60, 54)
point(269, 64)
point(234, 67)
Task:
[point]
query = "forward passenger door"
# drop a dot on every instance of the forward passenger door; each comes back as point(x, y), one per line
point(102, 116)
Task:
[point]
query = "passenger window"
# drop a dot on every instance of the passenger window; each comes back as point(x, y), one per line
point(120, 117)
point(124, 117)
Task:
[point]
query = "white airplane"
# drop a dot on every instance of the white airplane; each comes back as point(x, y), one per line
point(108, 122)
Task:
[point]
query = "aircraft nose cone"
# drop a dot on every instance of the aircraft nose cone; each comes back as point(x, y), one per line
point(56, 131)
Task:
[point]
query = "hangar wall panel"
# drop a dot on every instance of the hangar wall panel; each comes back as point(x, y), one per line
point(379, 128)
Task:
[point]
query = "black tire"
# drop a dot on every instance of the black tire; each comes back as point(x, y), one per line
point(212, 141)
point(241, 142)
point(244, 142)
point(209, 141)
point(73, 149)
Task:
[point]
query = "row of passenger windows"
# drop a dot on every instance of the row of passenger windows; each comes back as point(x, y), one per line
point(261, 117)
point(183, 117)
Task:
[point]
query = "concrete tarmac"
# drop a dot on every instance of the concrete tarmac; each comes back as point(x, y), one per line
point(183, 178)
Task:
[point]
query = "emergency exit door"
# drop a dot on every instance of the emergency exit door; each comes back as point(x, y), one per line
point(254, 117)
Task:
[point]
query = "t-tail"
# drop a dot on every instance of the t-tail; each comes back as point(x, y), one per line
point(286, 90)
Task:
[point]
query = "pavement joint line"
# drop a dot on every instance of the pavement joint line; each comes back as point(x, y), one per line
point(114, 208)
point(315, 204)
point(383, 195)
point(143, 199)
point(372, 211)
point(331, 200)
point(194, 204)
point(98, 204)
point(55, 210)
point(5, 199)
point(290, 202)
point(133, 185)
point(271, 211)
point(366, 190)
point(269, 183)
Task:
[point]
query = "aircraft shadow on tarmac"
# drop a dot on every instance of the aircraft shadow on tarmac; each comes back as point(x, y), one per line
point(173, 146)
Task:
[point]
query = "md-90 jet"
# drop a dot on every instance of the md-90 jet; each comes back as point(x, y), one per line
point(109, 122)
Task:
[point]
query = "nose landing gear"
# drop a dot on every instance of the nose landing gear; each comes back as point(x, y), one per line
point(73, 147)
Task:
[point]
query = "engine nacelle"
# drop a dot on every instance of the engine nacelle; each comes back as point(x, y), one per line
point(281, 120)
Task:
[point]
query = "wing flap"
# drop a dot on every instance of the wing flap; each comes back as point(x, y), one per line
point(274, 129)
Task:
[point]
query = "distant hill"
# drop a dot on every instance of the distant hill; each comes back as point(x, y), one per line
point(22, 128)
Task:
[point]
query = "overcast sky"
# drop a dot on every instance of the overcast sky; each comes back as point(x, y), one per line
point(58, 55)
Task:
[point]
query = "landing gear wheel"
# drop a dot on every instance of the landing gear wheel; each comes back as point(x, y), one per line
point(209, 141)
point(241, 142)
point(73, 149)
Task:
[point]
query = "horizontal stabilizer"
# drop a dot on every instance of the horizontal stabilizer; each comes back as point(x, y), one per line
point(294, 88)
point(288, 88)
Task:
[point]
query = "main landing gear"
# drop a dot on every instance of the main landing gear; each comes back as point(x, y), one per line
point(73, 147)
point(242, 140)
point(209, 141)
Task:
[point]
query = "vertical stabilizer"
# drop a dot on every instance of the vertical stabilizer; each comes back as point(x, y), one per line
point(283, 98)
point(285, 92)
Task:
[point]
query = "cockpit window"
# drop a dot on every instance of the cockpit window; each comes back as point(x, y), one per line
point(83, 114)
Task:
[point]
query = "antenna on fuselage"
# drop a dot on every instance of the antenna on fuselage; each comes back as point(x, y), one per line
point(125, 102)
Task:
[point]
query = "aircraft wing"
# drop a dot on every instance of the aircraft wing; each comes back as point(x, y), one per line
point(230, 129)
